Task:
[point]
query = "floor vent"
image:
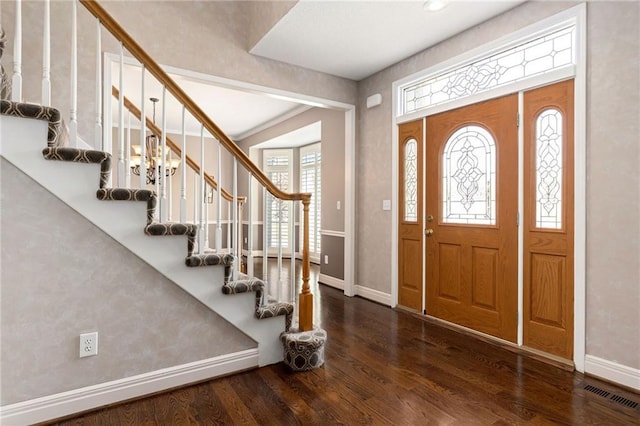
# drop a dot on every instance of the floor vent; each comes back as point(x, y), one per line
point(624, 401)
point(600, 392)
point(615, 398)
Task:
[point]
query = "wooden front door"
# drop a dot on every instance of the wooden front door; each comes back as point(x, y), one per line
point(410, 215)
point(471, 208)
point(548, 219)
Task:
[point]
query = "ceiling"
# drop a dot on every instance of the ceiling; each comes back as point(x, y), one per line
point(351, 39)
point(355, 39)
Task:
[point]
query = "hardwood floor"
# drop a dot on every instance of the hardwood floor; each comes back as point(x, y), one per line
point(385, 367)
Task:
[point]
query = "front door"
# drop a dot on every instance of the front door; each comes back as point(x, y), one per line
point(472, 216)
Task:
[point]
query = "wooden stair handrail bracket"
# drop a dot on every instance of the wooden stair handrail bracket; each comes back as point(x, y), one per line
point(107, 21)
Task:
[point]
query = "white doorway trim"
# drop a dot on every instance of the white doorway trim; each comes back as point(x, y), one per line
point(576, 15)
point(311, 101)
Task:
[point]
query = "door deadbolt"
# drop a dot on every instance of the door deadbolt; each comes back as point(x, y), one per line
point(430, 218)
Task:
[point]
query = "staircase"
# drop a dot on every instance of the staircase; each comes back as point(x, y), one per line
point(82, 186)
point(36, 140)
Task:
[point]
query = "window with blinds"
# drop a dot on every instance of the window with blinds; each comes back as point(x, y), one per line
point(310, 181)
point(278, 165)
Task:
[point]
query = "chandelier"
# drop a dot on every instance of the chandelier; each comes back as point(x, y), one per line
point(153, 156)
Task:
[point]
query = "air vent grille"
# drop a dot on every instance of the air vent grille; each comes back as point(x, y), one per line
point(613, 397)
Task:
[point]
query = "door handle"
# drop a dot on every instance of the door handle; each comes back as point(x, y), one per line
point(428, 232)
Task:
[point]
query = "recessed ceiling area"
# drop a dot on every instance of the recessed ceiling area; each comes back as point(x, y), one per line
point(300, 137)
point(355, 39)
point(235, 111)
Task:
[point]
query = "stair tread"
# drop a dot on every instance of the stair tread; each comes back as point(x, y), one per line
point(170, 228)
point(209, 259)
point(75, 155)
point(125, 194)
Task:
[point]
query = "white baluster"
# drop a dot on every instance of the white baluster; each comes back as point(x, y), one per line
point(218, 235)
point(206, 216)
point(16, 80)
point(183, 171)
point(73, 115)
point(280, 204)
point(195, 197)
point(120, 119)
point(143, 131)
point(163, 167)
point(234, 227)
point(127, 153)
point(265, 245)
point(46, 55)
point(228, 221)
point(249, 229)
point(201, 191)
point(292, 233)
point(98, 126)
point(170, 190)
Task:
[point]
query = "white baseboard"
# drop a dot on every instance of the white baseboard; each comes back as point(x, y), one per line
point(331, 281)
point(364, 292)
point(83, 399)
point(375, 295)
point(612, 371)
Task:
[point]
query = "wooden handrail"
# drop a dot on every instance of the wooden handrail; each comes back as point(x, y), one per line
point(174, 146)
point(305, 307)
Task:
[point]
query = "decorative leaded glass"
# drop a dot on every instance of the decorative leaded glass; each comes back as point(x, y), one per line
point(544, 54)
point(469, 177)
point(549, 169)
point(411, 181)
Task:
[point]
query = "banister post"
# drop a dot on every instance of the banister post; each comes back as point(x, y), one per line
point(305, 300)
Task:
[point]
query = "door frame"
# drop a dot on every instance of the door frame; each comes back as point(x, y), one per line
point(575, 16)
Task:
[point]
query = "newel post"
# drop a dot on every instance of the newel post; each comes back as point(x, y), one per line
point(305, 301)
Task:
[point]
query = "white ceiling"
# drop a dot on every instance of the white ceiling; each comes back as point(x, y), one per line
point(351, 39)
point(355, 39)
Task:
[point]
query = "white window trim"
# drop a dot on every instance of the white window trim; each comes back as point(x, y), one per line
point(577, 16)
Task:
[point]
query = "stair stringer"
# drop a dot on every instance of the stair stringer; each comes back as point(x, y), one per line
point(75, 184)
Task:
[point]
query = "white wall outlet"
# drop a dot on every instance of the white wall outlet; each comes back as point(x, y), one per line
point(88, 344)
point(326, 259)
point(386, 204)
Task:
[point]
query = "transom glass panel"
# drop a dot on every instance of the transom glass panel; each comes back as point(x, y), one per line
point(548, 53)
point(411, 181)
point(549, 169)
point(469, 177)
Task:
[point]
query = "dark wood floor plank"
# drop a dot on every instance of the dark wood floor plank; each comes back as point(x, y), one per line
point(385, 367)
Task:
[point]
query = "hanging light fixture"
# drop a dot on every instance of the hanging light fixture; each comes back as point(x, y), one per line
point(153, 156)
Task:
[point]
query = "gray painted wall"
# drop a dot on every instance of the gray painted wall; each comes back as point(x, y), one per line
point(613, 153)
point(62, 276)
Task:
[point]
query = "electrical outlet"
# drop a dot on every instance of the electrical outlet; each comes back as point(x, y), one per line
point(88, 344)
